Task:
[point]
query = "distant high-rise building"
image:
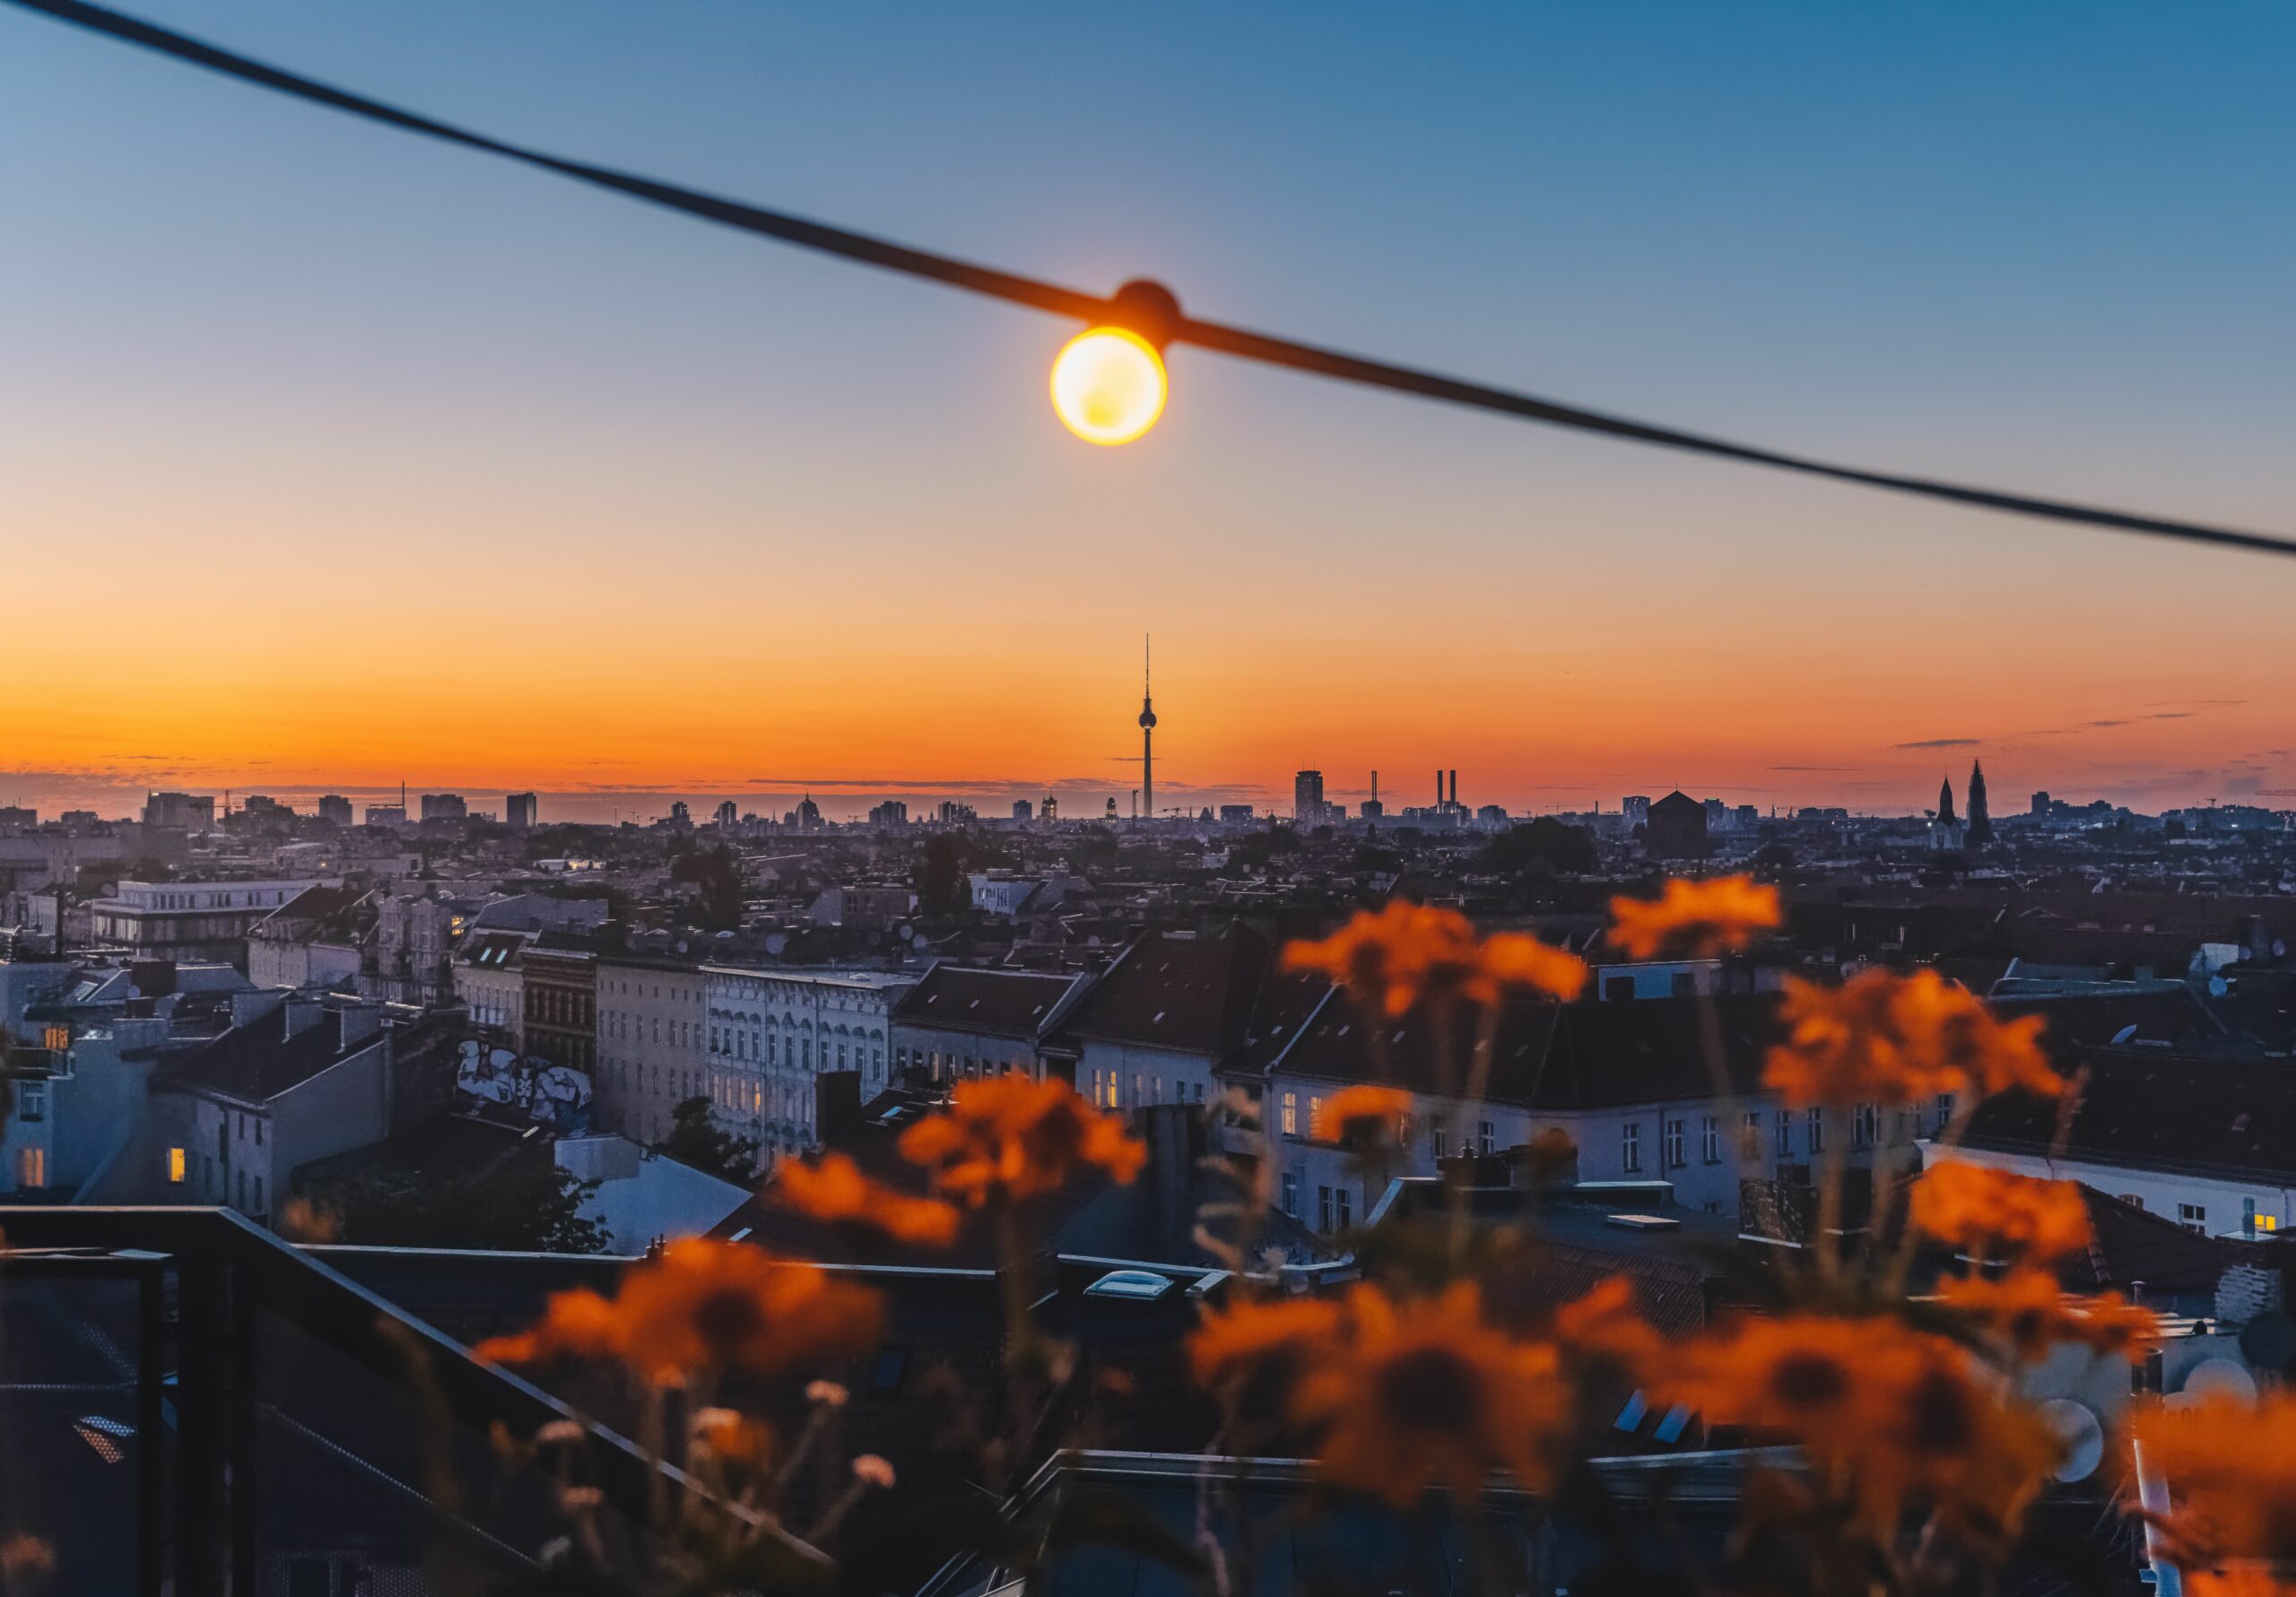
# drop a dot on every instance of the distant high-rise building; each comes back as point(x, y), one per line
point(444, 806)
point(1945, 803)
point(179, 811)
point(18, 818)
point(1636, 808)
point(680, 816)
point(386, 814)
point(1023, 812)
point(807, 815)
point(335, 807)
point(1980, 831)
point(889, 815)
point(1676, 828)
point(1147, 739)
point(728, 816)
point(2040, 805)
point(262, 804)
point(1373, 810)
point(519, 809)
point(1236, 814)
point(1049, 810)
point(954, 813)
point(1308, 798)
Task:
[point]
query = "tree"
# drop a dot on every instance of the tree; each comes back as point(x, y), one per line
point(718, 872)
point(696, 1139)
point(523, 1203)
point(1543, 847)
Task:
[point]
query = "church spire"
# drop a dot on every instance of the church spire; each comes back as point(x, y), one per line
point(1980, 816)
point(1945, 803)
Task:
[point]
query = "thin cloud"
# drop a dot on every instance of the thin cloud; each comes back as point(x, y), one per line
point(1939, 743)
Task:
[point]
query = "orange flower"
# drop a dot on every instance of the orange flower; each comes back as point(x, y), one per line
point(1405, 952)
point(1606, 1327)
point(1007, 1138)
point(1977, 1210)
point(1360, 1111)
point(2239, 1580)
point(1425, 1393)
point(835, 1191)
point(1232, 1340)
point(1696, 919)
point(1519, 959)
point(2028, 1310)
point(705, 1305)
point(733, 1437)
point(1890, 1415)
point(2230, 1467)
point(1884, 1038)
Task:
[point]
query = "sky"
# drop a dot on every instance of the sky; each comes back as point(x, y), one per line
point(335, 459)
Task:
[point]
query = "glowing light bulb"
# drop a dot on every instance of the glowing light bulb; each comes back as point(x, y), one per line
point(1107, 386)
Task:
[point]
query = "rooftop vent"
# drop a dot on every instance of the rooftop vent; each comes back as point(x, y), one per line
point(1134, 1286)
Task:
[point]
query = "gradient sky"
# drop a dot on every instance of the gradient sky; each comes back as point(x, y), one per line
point(332, 457)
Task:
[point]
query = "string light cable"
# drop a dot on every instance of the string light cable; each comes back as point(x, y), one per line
point(1108, 384)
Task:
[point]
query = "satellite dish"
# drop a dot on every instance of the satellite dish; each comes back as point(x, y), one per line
point(2218, 986)
point(774, 944)
point(2219, 1377)
point(2083, 1437)
point(907, 933)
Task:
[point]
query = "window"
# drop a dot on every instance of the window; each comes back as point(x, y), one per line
point(1346, 1209)
point(1629, 1150)
point(2131, 1199)
point(1291, 1194)
point(2193, 1217)
point(1865, 1130)
point(1786, 1133)
point(31, 1168)
point(1292, 1115)
point(1750, 1136)
point(258, 1134)
point(1486, 1138)
point(1817, 1130)
point(177, 1164)
point(1323, 1208)
point(1676, 1131)
point(258, 1194)
point(32, 1100)
point(1437, 1144)
point(1685, 984)
point(1944, 1112)
point(1709, 1140)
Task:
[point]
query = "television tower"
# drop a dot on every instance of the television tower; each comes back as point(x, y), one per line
point(1147, 735)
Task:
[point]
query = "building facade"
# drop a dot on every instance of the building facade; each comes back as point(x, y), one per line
point(773, 1033)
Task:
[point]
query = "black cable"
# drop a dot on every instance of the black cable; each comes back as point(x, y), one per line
point(1091, 307)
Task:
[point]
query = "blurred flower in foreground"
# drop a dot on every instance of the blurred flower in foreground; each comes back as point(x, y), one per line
point(300, 1220)
point(1979, 1210)
point(835, 1191)
point(24, 1557)
point(1402, 1396)
point(705, 1305)
point(1361, 1111)
point(733, 1437)
point(1894, 1415)
point(1007, 1138)
point(1424, 1392)
point(2027, 1309)
point(1605, 1326)
point(1405, 952)
point(1884, 1038)
point(2230, 1467)
point(1695, 919)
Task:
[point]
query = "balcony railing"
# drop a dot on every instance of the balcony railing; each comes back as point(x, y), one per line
point(190, 1405)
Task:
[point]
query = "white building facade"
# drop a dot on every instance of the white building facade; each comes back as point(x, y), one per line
point(772, 1034)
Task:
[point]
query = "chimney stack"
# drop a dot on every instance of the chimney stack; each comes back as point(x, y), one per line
point(1439, 787)
point(1455, 787)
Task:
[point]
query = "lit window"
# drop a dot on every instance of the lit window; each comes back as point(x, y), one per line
point(1290, 1114)
point(177, 1164)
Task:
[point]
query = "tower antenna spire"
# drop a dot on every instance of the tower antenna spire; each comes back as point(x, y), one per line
point(1147, 735)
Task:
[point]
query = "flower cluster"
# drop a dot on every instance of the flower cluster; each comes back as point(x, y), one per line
point(1361, 1112)
point(835, 1191)
point(1407, 953)
point(703, 1307)
point(1990, 1213)
point(2231, 1474)
point(1695, 919)
point(1884, 1038)
point(1402, 1394)
point(1006, 1139)
point(2029, 1312)
point(1895, 1416)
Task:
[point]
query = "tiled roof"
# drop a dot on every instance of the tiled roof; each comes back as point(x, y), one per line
point(1192, 993)
point(259, 1061)
point(996, 1003)
point(2159, 1108)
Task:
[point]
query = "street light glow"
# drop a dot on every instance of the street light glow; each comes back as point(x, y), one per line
point(1107, 386)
